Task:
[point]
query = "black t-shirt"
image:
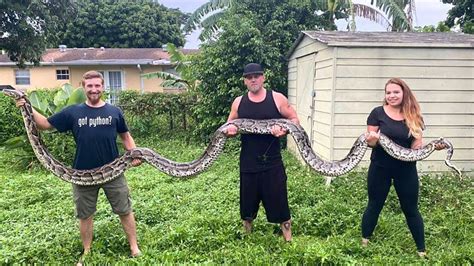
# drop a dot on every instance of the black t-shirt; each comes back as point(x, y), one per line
point(94, 130)
point(259, 152)
point(396, 130)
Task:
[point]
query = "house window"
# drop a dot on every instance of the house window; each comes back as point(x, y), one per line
point(113, 85)
point(62, 74)
point(22, 77)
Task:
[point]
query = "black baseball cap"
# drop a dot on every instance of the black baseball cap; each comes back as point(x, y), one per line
point(253, 68)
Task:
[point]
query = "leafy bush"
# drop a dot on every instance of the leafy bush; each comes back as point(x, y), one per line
point(11, 122)
point(61, 146)
point(157, 113)
point(260, 31)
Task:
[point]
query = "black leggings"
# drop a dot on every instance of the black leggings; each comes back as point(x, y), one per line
point(405, 181)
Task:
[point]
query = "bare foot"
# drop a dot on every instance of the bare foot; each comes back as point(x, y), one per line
point(422, 254)
point(247, 226)
point(365, 242)
point(136, 254)
point(83, 257)
point(286, 230)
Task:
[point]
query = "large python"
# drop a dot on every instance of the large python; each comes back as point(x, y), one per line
point(183, 169)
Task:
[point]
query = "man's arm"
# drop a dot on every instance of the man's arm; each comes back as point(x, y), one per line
point(127, 140)
point(41, 121)
point(284, 107)
point(234, 108)
point(128, 144)
point(231, 130)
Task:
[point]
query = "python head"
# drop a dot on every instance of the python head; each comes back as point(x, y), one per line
point(15, 94)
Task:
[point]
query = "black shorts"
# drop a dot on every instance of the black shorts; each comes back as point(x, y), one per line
point(268, 186)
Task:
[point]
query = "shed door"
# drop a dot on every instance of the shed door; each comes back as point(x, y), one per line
point(305, 93)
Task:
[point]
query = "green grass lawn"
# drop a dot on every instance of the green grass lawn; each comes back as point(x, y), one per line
point(197, 220)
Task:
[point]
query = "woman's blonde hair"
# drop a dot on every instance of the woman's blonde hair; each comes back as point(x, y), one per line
point(410, 108)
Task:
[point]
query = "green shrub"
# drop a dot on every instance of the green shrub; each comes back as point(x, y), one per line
point(47, 102)
point(11, 122)
point(157, 113)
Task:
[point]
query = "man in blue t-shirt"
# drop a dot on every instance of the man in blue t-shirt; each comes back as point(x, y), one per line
point(95, 126)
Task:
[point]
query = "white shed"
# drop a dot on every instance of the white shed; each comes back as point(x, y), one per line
point(336, 78)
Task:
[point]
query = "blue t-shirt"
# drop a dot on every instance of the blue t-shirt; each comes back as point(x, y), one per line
point(94, 130)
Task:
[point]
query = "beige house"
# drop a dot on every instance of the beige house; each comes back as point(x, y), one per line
point(121, 67)
point(336, 78)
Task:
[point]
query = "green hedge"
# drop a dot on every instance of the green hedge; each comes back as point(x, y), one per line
point(157, 113)
point(61, 146)
point(11, 122)
point(150, 114)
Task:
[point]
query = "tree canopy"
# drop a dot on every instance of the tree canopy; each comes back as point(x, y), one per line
point(461, 14)
point(259, 31)
point(123, 24)
point(28, 27)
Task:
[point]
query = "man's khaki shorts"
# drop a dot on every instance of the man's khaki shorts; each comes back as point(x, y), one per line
point(117, 192)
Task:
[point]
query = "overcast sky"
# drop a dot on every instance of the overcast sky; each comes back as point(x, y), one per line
point(428, 12)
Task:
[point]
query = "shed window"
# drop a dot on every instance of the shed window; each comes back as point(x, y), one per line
point(22, 77)
point(62, 74)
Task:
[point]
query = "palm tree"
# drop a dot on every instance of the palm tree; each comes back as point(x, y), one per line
point(393, 17)
point(395, 10)
point(212, 12)
point(184, 80)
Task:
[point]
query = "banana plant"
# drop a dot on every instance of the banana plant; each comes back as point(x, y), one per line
point(207, 18)
point(393, 16)
point(182, 65)
point(42, 103)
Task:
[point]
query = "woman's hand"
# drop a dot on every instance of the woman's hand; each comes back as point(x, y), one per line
point(440, 146)
point(372, 138)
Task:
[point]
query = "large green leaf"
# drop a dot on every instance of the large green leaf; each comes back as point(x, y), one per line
point(16, 142)
point(77, 96)
point(160, 75)
point(203, 11)
point(63, 95)
point(41, 105)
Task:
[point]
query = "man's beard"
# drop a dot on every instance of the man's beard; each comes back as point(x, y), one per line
point(94, 98)
point(254, 88)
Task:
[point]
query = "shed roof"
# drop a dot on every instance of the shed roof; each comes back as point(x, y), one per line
point(389, 39)
point(103, 56)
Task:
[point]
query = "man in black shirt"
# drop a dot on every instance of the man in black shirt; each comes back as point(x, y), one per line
point(262, 173)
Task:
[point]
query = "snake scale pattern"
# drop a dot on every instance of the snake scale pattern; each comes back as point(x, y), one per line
point(184, 169)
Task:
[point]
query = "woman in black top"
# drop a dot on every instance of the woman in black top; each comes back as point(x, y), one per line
point(399, 118)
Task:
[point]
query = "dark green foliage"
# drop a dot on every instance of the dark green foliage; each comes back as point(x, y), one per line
point(157, 113)
point(461, 14)
point(11, 123)
point(47, 102)
point(252, 31)
point(196, 220)
point(123, 24)
point(441, 27)
point(28, 27)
